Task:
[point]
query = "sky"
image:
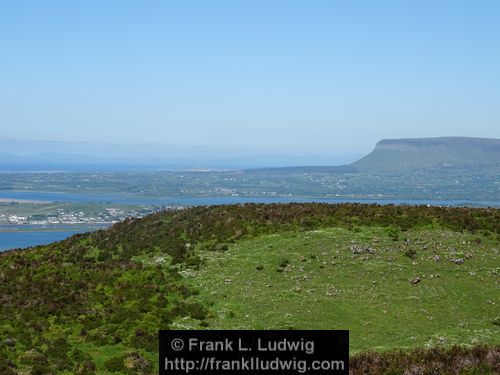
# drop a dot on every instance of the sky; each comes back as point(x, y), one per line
point(292, 77)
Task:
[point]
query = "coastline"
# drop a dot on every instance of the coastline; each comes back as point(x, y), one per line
point(33, 201)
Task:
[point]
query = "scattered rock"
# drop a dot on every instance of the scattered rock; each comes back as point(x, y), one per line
point(362, 249)
point(458, 261)
point(357, 250)
point(415, 280)
point(437, 258)
point(284, 266)
point(411, 253)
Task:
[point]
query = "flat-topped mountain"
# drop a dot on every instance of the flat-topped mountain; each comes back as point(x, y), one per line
point(409, 154)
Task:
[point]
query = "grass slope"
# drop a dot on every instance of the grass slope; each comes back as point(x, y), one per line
point(93, 304)
point(314, 280)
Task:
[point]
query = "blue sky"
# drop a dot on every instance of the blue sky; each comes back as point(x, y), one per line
point(320, 77)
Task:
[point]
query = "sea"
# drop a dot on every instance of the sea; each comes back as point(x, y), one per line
point(12, 237)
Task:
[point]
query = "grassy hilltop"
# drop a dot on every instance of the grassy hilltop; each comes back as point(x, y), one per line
point(409, 282)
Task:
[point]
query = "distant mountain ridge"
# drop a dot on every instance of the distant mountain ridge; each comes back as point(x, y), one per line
point(407, 154)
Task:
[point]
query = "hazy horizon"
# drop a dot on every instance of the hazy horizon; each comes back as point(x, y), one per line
point(18, 155)
point(44, 154)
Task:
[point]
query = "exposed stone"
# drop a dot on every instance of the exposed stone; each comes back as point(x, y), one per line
point(415, 280)
point(362, 249)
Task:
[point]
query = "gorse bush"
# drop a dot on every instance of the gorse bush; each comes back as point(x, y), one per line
point(455, 360)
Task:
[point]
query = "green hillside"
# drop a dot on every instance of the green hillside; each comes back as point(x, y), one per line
point(400, 278)
point(406, 155)
point(357, 279)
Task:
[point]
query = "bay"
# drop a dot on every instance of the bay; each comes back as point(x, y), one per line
point(123, 198)
point(23, 236)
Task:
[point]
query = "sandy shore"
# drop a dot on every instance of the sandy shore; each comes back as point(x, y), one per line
point(11, 200)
